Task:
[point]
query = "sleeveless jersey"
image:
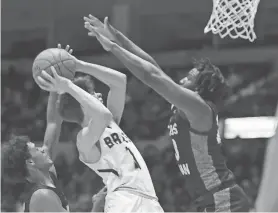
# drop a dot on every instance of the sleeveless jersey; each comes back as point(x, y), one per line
point(58, 190)
point(121, 164)
point(199, 157)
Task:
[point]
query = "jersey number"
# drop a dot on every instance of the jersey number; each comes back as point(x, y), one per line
point(136, 164)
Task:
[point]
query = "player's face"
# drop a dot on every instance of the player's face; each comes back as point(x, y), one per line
point(39, 156)
point(189, 81)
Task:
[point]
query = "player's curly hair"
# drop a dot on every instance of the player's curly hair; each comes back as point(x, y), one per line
point(67, 103)
point(13, 160)
point(210, 82)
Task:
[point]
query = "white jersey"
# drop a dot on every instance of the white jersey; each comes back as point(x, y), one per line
point(121, 164)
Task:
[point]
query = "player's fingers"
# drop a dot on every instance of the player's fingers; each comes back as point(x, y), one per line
point(59, 46)
point(70, 51)
point(54, 72)
point(47, 76)
point(91, 21)
point(92, 29)
point(91, 34)
point(105, 20)
point(89, 27)
point(67, 48)
point(95, 21)
point(44, 84)
point(108, 26)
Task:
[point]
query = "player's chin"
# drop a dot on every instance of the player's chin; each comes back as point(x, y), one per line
point(48, 160)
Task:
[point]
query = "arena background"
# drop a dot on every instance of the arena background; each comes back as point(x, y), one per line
point(172, 32)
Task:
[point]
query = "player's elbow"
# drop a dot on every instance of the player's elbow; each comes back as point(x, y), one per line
point(123, 79)
point(121, 82)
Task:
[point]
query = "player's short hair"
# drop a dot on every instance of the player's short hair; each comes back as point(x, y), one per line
point(13, 159)
point(67, 104)
point(211, 84)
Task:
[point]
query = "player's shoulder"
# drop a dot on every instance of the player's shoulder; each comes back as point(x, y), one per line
point(45, 200)
point(43, 196)
point(43, 193)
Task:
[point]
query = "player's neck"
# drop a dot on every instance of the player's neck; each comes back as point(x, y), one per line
point(42, 177)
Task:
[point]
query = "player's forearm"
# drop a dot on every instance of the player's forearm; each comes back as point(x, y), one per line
point(110, 77)
point(139, 67)
point(87, 100)
point(127, 44)
point(54, 122)
point(52, 114)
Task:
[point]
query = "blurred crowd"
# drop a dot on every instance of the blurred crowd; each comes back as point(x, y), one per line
point(145, 117)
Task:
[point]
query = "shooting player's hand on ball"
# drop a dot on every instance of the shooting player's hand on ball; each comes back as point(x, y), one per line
point(59, 46)
point(56, 83)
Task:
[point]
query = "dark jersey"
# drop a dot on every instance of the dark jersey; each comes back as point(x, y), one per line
point(58, 190)
point(199, 158)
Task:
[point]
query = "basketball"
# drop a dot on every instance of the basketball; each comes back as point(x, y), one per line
point(60, 59)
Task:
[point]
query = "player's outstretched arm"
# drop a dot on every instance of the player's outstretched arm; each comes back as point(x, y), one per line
point(116, 82)
point(45, 200)
point(115, 35)
point(188, 101)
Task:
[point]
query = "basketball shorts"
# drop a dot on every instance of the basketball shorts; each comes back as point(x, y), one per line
point(125, 201)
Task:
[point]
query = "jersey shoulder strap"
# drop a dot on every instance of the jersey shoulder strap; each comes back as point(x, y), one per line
point(33, 188)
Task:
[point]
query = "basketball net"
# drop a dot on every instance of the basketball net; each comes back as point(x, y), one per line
point(234, 18)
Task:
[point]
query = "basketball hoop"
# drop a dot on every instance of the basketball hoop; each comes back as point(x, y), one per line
point(234, 18)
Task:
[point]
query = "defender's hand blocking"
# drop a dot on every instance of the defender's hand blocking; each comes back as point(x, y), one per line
point(105, 42)
point(57, 83)
point(104, 29)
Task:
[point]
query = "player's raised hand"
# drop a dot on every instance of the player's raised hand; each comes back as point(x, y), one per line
point(104, 29)
point(59, 46)
point(56, 83)
point(105, 42)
